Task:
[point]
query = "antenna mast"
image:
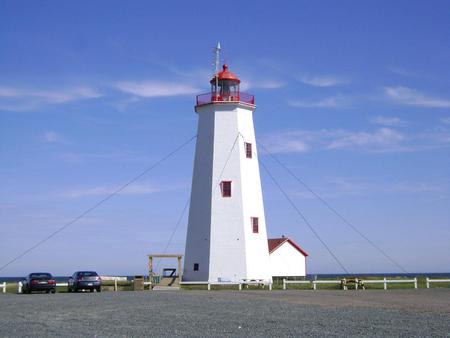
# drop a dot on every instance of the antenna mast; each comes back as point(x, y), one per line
point(217, 64)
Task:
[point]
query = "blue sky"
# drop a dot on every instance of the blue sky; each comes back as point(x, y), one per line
point(353, 96)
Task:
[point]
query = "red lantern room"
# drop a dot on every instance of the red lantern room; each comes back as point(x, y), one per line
point(225, 88)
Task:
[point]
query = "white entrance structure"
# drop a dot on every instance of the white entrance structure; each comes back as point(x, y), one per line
point(287, 258)
point(226, 237)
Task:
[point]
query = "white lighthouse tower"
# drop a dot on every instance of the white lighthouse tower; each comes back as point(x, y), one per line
point(226, 237)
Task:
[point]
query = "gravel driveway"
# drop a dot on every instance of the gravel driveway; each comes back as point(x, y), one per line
point(228, 313)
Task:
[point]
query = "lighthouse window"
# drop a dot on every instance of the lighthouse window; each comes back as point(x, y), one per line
point(255, 225)
point(195, 266)
point(248, 150)
point(225, 186)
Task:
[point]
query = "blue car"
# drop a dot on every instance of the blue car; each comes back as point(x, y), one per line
point(84, 280)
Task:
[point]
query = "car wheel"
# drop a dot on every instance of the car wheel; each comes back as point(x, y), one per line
point(91, 290)
point(53, 291)
point(99, 289)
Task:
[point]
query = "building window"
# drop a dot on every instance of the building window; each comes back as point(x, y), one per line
point(248, 150)
point(225, 186)
point(195, 266)
point(255, 225)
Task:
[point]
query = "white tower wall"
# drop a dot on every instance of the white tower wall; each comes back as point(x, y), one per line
point(220, 237)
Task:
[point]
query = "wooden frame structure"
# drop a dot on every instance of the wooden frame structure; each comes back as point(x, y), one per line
point(151, 273)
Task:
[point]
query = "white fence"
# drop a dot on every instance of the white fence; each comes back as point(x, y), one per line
point(357, 282)
point(386, 281)
point(313, 284)
point(238, 284)
point(429, 281)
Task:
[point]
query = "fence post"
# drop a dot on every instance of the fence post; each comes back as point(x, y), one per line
point(314, 285)
point(19, 287)
point(284, 283)
point(115, 283)
point(270, 286)
point(385, 283)
point(4, 287)
point(428, 283)
point(209, 287)
point(415, 283)
point(240, 286)
point(356, 283)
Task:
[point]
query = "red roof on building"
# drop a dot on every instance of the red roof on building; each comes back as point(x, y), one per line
point(225, 74)
point(275, 243)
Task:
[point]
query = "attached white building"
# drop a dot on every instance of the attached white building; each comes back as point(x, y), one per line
point(287, 258)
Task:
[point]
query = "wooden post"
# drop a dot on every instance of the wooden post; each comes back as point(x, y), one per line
point(356, 283)
point(150, 271)
point(415, 283)
point(385, 283)
point(115, 283)
point(240, 286)
point(314, 285)
point(428, 283)
point(270, 286)
point(284, 284)
point(19, 287)
point(4, 287)
point(209, 287)
point(180, 273)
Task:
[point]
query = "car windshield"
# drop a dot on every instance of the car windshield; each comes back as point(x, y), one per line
point(88, 273)
point(40, 275)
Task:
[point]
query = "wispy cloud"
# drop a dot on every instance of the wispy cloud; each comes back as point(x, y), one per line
point(20, 99)
point(134, 189)
point(410, 96)
point(388, 121)
point(53, 137)
point(402, 71)
point(330, 102)
point(323, 81)
point(156, 88)
point(51, 96)
point(351, 186)
point(379, 140)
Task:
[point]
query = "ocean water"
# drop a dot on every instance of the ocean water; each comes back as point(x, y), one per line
point(62, 279)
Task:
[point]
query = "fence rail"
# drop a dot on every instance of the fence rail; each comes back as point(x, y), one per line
point(357, 281)
point(239, 284)
point(429, 281)
point(314, 284)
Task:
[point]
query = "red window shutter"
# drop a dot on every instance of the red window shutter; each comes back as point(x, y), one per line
point(225, 186)
point(248, 150)
point(255, 225)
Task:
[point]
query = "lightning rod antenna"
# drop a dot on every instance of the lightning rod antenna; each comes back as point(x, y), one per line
point(217, 64)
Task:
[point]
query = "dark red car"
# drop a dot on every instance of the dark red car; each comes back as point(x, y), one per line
point(39, 281)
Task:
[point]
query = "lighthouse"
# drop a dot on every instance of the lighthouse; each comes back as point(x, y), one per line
point(226, 236)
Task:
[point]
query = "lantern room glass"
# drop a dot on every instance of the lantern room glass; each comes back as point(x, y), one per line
point(228, 90)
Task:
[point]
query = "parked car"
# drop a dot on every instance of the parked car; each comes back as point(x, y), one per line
point(39, 281)
point(84, 280)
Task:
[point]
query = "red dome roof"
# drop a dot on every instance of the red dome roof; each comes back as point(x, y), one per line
point(225, 74)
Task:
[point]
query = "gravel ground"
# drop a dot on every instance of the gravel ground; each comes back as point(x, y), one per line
point(228, 313)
